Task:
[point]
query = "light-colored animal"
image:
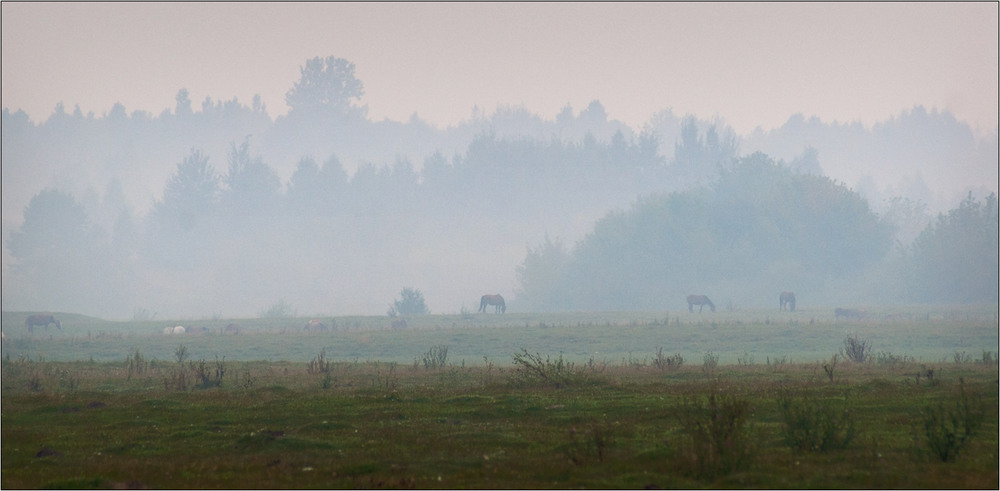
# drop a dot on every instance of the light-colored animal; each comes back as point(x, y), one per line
point(701, 301)
point(314, 325)
point(174, 330)
point(494, 300)
point(786, 298)
point(41, 320)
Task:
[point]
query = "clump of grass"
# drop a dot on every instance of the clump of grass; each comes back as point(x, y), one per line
point(532, 368)
point(719, 432)
point(181, 353)
point(989, 358)
point(830, 366)
point(886, 358)
point(177, 380)
point(436, 357)
point(856, 349)
point(948, 430)
point(816, 426)
point(667, 362)
point(319, 364)
point(208, 376)
point(135, 364)
point(746, 360)
point(709, 362)
point(589, 443)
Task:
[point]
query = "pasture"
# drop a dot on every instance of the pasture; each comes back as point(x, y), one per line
point(731, 399)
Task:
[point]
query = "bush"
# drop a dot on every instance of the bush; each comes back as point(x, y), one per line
point(279, 310)
point(436, 357)
point(719, 434)
point(411, 302)
point(815, 426)
point(664, 362)
point(948, 430)
point(531, 368)
point(856, 349)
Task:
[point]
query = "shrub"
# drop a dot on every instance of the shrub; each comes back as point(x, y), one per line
point(856, 349)
point(530, 368)
point(665, 362)
point(710, 361)
point(181, 353)
point(815, 426)
point(319, 364)
point(436, 357)
point(719, 434)
point(278, 310)
point(948, 430)
point(411, 302)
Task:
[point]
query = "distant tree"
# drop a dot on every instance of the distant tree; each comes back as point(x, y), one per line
point(411, 301)
point(54, 225)
point(183, 106)
point(540, 277)
point(251, 186)
point(955, 259)
point(698, 160)
point(326, 83)
point(191, 192)
point(759, 222)
point(58, 255)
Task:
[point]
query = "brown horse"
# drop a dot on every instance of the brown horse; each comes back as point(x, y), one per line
point(851, 314)
point(41, 320)
point(701, 301)
point(787, 298)
point(495, 300)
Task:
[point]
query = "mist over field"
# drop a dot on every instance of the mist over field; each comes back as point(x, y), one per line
point(214, 208)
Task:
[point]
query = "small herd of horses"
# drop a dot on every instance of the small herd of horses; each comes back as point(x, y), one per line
point(786, 300)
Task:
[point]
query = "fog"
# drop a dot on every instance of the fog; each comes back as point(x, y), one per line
point(214, 208)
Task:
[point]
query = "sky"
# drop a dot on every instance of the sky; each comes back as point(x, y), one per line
point(753, 64)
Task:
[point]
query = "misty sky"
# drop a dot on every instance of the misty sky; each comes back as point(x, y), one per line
point(752, 64)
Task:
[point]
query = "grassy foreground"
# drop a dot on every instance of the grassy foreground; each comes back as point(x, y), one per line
point(530, 421)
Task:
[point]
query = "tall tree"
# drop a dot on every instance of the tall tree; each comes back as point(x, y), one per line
point(191, 193)
point(325, 84)
point(955, 258)
point(252, 186)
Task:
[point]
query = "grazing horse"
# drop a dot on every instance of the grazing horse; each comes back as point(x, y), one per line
point(495, 300)
point(174, 330)
point(41, 320)
point(314, 325)
point(849, 313)
point(701, 301)
point(787, 298)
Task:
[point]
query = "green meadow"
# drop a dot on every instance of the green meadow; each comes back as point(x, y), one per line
point(904, 398)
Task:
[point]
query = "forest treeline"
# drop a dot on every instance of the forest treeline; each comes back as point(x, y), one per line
point(335, 213)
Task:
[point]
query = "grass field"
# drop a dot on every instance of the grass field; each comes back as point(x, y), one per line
point(606, 400)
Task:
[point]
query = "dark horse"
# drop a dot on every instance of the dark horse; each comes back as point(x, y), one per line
point(41, 320)
point(787, 298)
point(495, 300)
point(701, 301)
